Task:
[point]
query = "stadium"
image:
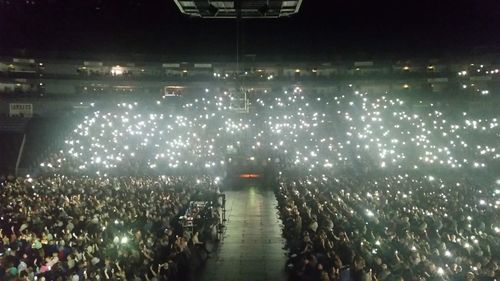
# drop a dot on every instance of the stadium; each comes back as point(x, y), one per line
point(155, 168)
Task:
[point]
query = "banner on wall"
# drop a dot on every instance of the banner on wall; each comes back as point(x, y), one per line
point(21, 109)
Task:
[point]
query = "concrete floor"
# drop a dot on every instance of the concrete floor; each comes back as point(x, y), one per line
point(252, 245)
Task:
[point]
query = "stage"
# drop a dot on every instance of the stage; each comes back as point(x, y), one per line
point(252, 245)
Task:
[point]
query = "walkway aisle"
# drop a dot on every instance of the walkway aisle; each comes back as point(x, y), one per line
point(252, 245)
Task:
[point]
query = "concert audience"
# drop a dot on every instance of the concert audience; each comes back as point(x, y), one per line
point(82, 228)
point(390, 228)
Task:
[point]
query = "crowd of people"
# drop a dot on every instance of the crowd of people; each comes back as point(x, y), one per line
point(304, 132)
point(383, 188)
point(90, 228)
point(398, 227)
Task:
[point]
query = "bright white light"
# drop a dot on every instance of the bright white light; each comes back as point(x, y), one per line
point(116, 70)
point(440, 271)
point(124, 240)
point(369, 213)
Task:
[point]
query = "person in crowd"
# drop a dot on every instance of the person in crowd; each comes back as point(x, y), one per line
point(200, 246)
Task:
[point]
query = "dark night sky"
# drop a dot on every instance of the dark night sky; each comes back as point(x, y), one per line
point(323, 28)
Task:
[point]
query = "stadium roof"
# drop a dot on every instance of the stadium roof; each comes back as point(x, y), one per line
point(246, 8)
